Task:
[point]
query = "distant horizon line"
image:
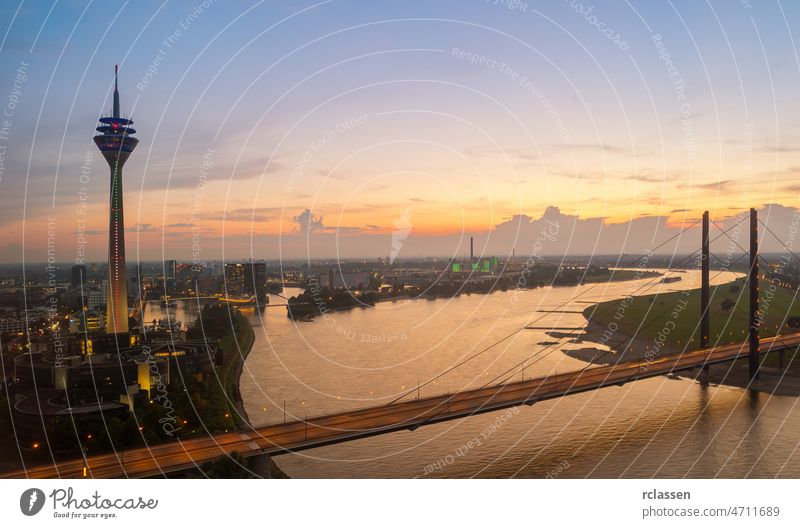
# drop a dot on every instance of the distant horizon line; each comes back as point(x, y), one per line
point(241, 260)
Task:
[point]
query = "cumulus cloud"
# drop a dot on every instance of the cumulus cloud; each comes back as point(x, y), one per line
point(307, 223)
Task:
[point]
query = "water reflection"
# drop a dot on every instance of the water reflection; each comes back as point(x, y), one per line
point(657, 427)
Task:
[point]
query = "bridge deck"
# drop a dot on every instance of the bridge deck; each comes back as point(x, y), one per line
point(274, 439)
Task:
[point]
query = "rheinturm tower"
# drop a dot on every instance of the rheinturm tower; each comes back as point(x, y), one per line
point(115, 140)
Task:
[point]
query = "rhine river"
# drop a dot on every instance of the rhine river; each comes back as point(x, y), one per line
point(652, 428)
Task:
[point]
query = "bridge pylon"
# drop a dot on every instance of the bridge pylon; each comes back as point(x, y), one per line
point(754, 319)
point(705, 289)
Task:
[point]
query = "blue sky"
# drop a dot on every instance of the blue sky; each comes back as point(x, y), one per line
point(467, 112)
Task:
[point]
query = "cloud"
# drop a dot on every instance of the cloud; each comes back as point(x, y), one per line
point(180, 224)
point(344, 230)
point(184, 170)
point(140, 228)
point(307, 223)
point(658, 176)
point(246, 214)
point(592, 147)
point(785, 147)
point(535, 153)
point(255, 169)
point(550, 232)
point(720, 185)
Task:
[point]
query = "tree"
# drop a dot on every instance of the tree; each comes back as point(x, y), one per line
point(214, 322)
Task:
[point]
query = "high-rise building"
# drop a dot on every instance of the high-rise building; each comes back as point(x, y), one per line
point(115, 140)
point(170, 269)
point(96, 299)
point(78, 275)
point(186, 276)
point(255, 278)
point(170, 275)
point(234, 278)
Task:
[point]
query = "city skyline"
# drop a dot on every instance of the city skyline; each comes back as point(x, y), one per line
point(255, 158)
point(474, 239)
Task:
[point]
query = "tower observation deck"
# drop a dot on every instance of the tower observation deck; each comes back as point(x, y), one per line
point(115, 140)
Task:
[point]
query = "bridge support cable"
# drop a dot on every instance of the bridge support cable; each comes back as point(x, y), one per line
point(770, 265)
point(767, 262)
point(573, 333)
point(754, 315)
point(746, 253)
point(781, 358)
point(629, 339)
point(535, 357)
point(540, 355)
point(781, 242)
point(754, 318)
point(554, 377)
point(515, 332)
point(707, 242)
point(754, 364)
point(642, 327)
point(705, 288)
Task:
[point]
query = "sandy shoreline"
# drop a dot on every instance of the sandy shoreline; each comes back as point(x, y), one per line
point(735, 374)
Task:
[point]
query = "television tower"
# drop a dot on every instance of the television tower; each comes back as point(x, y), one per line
point(116, 142)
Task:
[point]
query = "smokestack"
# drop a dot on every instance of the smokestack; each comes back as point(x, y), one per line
point(471, 253)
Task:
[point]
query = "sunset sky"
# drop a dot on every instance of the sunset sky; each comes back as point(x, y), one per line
point(288, 129)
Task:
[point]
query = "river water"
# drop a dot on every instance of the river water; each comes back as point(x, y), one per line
point(652, 428)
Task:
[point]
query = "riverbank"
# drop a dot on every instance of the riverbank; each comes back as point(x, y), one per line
point(235, 354)
point(236, 339)
point(233, 365)
point(311, 307)
point(668, 323)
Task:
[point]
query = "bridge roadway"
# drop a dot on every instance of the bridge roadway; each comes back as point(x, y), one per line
point(163, 459)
